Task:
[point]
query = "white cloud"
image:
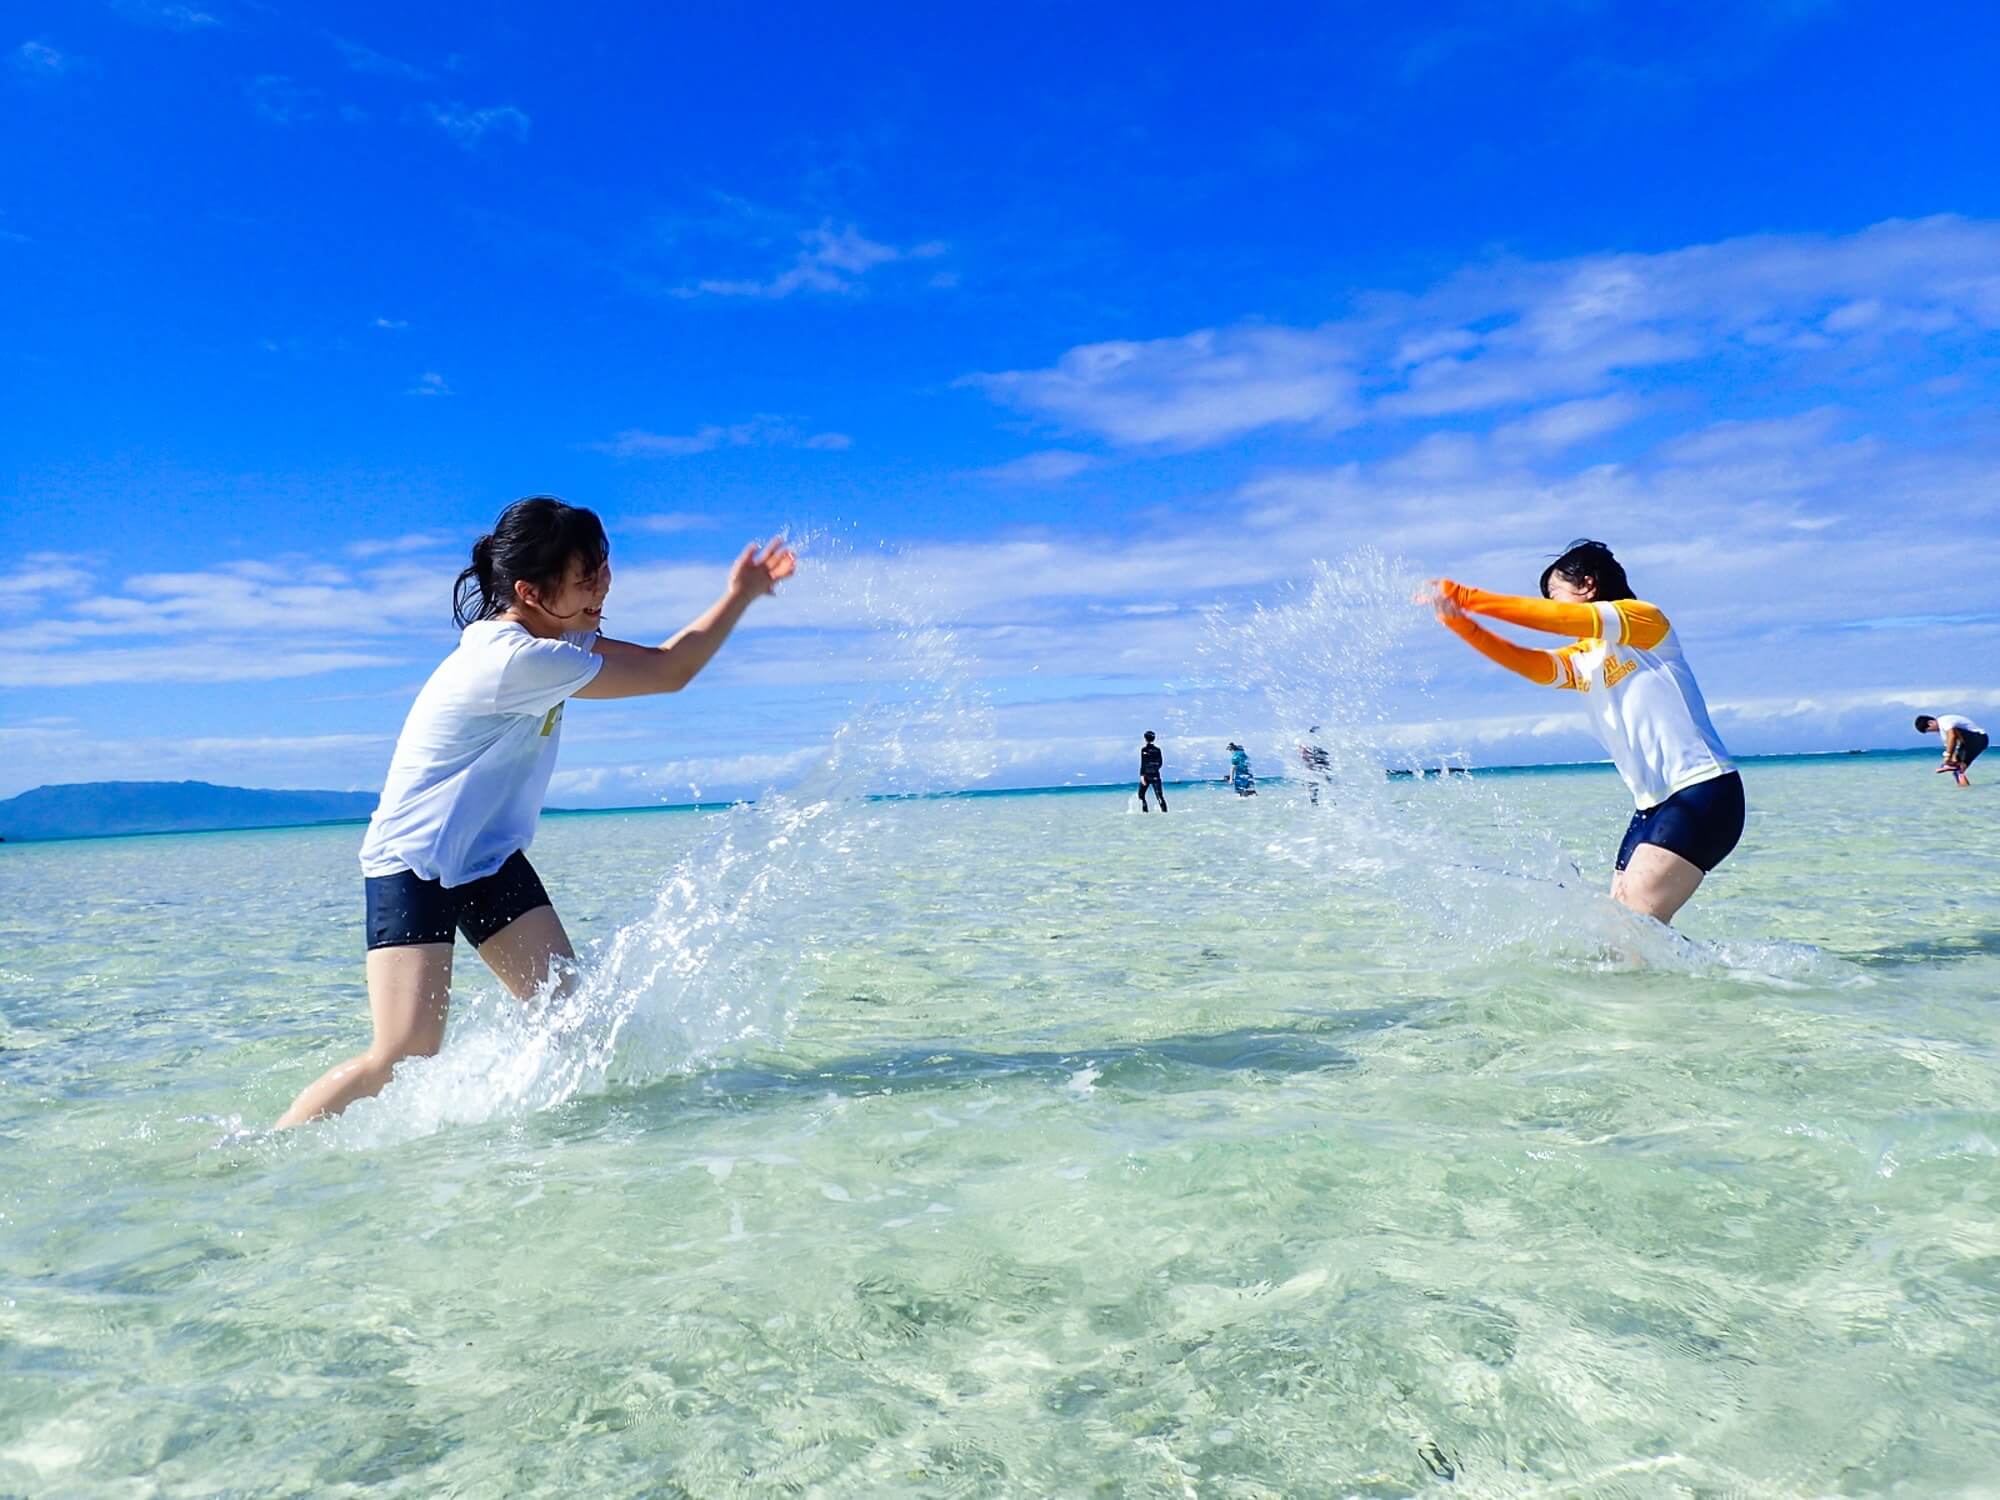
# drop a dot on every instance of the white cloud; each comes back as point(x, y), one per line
point(187, 663)
point(671, 523)
point(430, 383)
point(171, 16)
point(280, 100)
point(1050, 466)
point(1192, 391)
point(1527, 334)
point(760, 431)
point(391, 324)
point(1570, 422)
point(42, 573)
point(828, 260)
point(470, 127)
point(412, 541)
point(1735, 440)
point(40, 60)
point(362, 59)
point(682, 779)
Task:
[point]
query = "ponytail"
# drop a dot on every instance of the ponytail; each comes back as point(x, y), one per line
point(472, 596)
point(533, 542)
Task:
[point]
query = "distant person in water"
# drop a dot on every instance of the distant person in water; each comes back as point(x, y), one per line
point(1239, 774)
point(1149, 774)
point(1963, 742)
point(1641, 701)
point(445, 851)
point(1318, 764)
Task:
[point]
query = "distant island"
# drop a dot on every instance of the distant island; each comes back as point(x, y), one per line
point(95, 809)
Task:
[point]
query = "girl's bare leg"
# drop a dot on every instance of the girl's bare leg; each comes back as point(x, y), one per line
point(409, 995)
point(522, 953)
point(1655, 882)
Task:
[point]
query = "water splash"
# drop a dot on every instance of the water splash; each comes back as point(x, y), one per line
point(1339, 668)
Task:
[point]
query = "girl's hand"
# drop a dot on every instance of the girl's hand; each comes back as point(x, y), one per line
point(1435, 597)
point(756, 574)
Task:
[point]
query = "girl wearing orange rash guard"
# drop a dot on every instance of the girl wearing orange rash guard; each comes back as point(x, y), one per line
point(1642, 703)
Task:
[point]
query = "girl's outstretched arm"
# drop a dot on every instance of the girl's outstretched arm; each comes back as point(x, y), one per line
point(1544, 668)
point(632, 671)
point(1579, 621)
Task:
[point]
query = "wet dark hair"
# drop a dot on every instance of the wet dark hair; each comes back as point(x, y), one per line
point(1585, 560)
point(532, 542)
point(1925, 723)
point(1149, 734)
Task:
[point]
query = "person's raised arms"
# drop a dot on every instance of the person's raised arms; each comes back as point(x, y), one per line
point(1544, 668)
point(1556, 616)
point(633, 671)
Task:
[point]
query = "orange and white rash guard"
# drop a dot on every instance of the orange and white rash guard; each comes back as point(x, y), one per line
point(1638, 692)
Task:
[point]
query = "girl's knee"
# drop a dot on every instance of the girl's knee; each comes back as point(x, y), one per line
point(388, 1051)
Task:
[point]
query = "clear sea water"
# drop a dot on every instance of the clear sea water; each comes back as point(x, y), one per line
point(1028, 1146)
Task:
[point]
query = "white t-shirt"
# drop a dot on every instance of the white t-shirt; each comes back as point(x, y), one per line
point(472, 764)
point(1642, 703)
point(1948, 722)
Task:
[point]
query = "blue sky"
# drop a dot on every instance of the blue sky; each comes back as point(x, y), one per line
point(1077, 335)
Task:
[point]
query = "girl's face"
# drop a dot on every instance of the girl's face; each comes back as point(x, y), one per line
point(577, 603)
point(1564, 592)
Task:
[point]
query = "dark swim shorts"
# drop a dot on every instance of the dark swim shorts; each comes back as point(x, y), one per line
point(404, 908)
point(1970, 743)
point(1700, 823)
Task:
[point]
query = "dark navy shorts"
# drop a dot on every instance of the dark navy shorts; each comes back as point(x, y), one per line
point(404, 908)
point(1701, 824)
point(1970, 743)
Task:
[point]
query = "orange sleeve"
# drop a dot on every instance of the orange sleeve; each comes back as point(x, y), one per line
point(1645, 625)
point(1579, 620)
point(1542, 667)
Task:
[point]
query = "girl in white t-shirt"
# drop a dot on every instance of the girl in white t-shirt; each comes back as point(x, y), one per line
point(445, 851)
point(1640, 699)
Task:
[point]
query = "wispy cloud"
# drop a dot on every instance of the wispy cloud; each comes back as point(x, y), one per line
point(414, 541)
point(471, 127)
point(430, 383)
point(1568, 423)
point(1534, 335)
point(829, 259)
point(171, 16)
point(40, 60)
point(40, 574)
point(761, 431)
point(671, 523)
point(392, 325)
point(362, 59)
point(1192, 391)
point(280, 100)
point(1050, 466)
point(183, 663)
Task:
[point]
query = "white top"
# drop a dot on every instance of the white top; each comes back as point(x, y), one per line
point(472, 764)
point(1957, 721)
point(1640, 697)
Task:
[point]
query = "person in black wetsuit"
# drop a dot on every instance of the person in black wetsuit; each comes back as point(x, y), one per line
point(1149, 774)
point(1318, 764)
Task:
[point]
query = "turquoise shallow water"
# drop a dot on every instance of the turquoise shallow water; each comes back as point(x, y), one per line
point(1029, 1146)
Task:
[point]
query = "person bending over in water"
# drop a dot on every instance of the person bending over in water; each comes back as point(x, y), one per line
point(1149, 774)
point(445, 849)
point(1963, 740)
point(1642, 703)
